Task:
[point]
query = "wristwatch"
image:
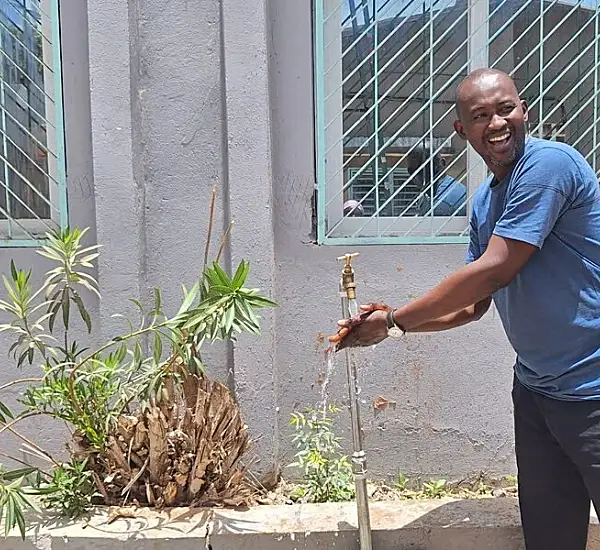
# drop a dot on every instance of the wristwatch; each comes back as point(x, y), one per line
point(395, 330)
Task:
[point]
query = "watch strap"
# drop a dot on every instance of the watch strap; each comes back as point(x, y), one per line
point(391, 322)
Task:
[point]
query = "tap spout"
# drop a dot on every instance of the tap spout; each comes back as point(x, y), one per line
point(348, 285)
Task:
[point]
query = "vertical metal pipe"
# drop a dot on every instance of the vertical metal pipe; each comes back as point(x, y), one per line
point(541, 66)
point(359, 461)
point(5, 144)
point(596, 61)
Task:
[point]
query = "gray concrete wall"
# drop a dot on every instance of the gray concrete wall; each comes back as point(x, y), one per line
point(174, 98)
point(159, 155)
point(187, 121)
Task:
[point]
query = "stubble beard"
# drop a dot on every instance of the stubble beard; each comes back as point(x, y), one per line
point(516, 153)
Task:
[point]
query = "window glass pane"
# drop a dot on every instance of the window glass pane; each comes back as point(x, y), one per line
point(27, 104)
point(391, 166)
point(551, 48)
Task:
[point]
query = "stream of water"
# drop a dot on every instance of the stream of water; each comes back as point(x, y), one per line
point(328, 373)
point(330, 369)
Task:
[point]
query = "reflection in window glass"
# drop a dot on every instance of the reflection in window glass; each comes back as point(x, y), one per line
point(24, 101)
point(550, 49)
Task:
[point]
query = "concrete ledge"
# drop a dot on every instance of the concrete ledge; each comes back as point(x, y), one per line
point(445, 524)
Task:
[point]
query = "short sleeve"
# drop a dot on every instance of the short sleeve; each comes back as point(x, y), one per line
point(474, 251)
point(537, 197)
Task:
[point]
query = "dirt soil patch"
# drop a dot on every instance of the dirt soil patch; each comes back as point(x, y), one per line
point(380, 491)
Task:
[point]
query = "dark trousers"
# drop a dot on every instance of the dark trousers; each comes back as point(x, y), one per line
point(558, 459)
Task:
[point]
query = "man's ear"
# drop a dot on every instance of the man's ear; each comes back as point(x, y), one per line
point(460, 130)
point(525, 110)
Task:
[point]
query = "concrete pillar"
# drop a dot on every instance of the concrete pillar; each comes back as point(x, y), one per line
point(118, 194)
point(180, 131)
point(245, 54)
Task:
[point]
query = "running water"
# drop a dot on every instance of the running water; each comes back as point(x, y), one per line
point(352, 307)
point(328, 373)
point(352, 310)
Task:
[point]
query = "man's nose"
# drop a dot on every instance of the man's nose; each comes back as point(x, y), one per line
point(497, 122)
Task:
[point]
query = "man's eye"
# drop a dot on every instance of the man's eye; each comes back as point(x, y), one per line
point(506, 109)
point(479, 116)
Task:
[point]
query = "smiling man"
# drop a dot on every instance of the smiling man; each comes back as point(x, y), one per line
point(535, 250)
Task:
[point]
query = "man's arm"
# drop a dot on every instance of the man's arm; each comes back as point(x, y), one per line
point(542, 193)
point(471, 284)
point(540, 196)
point(457, 319)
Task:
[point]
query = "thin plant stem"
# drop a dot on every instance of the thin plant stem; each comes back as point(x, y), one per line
point(211, 218)
point(224, 241)
point(139, 332)
point(21, 462)
point(32, 444)
point(20, 381)
point(10, 424)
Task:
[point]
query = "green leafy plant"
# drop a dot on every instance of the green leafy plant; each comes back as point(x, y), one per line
point(14, 498)
point(480, 487)
point(127, 397)
point(434, 488)
point(327, 473)
point(401, 482)
point(511, 479)
point(70, 489)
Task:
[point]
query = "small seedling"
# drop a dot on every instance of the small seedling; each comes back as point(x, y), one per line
point(70, 491)
point(434, 488)
point(401, 482)
point(327, 473)
point(481, 488)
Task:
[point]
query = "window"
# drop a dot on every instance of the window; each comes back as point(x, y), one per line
point(32, 156)
point(390, 168)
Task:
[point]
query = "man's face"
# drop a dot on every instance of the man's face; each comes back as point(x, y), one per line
point(492, 119)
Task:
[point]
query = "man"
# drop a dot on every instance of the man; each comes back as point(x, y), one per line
point(449, 195)
point(535, 250)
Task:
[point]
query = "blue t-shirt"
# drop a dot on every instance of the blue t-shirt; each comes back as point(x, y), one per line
point(551, 310)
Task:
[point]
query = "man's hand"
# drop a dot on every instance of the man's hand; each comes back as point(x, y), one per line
point(367, 328)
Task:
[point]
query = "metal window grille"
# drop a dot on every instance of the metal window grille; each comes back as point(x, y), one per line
point(33, 198)
point(385, 76)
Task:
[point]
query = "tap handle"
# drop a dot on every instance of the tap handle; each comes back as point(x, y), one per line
point(348, 258)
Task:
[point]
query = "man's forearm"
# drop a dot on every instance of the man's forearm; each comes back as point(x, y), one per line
point(446, 322)
point(454, 320)
point(471, 284)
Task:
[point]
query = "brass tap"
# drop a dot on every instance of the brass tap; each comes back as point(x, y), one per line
point(348, 283)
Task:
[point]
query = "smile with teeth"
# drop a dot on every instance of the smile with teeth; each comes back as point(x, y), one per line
point(501, 137)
